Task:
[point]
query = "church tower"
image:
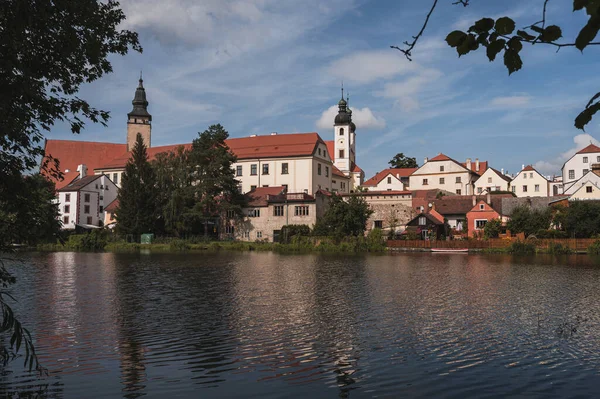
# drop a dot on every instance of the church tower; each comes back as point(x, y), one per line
point(139, 120)
point(345, 138)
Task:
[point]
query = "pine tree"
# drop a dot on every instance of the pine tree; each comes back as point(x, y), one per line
point(137, 212)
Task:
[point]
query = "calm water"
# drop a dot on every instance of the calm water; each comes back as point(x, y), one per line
point(272, 326)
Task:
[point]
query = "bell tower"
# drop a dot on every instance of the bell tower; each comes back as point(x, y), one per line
point(139, 120)
point(344, 141)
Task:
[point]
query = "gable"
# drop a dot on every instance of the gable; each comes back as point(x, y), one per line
point(589, 177)
point(582, 193)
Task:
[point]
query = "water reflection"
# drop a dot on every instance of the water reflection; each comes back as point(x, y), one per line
point(268, 325)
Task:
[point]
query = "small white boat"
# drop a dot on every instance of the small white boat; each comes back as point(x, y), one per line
point(449, 249)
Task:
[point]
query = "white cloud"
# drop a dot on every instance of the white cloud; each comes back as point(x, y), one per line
point(580, 141)
point(368, 66)
point(406, 92)
point(362, 117)
point(510, 101)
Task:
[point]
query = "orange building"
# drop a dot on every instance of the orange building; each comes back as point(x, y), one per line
point(478, 217)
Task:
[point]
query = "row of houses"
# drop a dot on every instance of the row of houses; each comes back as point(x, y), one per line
point(288, 178)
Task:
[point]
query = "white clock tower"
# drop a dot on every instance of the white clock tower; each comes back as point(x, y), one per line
point(345, 138)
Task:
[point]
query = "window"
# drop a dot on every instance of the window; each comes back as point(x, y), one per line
point(265, 185)
point(481, 207)
point(588, 189)
point(458, 180)
point(285, 187)
point(458, 191)
point(524, 175)
point(341, 131)
point(89, 220)
point(379, 224)
point(326, 171)
point(86, 198)
point(254, 213)
point(278, 210)
point(102, 187)
point(479, 190)
point(65, 220)
point(101, 209)
point(422, 220)
point(252, 187)
point(67, 197)
point(585, 159)
point(571, 174)
point(597, 159)
point(514, 189)
point(585, 171)
point(342, 154)
point(284, 168)
point(489, 179)
point(253, 170)
point(265, 170)
point(238, 170)
point(319, 169)
point(106, 188)
point(425, 182)
point(319, 151)
point(116, 178)
point(536, 188)
point(96, 186)
point(230, 214)
point(259, 234)
point(524, 189)
point(247, 234)
point(86, 209)
point(301, 210)
point(101, 198)
point(442, 168)
point(389, 180)
point(67, 209)
point(480, 224)
point(229, 229)
point(531, 175)
point(442, 180)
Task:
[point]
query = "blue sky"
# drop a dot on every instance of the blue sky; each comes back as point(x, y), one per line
point(260, 66)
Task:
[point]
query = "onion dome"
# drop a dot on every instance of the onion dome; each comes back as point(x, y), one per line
point(140, 104)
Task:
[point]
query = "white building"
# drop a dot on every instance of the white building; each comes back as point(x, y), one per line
point(394, 179)
point(492, 180)
point(579, 165)
point(530, 183)
point(82, 201)
point(444, 173)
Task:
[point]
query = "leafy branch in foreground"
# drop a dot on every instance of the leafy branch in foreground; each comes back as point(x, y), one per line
point(499, 36)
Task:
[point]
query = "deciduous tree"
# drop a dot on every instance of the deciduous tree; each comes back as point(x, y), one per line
point(344, 218)
point(402, 161)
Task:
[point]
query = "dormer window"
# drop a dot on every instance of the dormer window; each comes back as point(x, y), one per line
point(341, 131)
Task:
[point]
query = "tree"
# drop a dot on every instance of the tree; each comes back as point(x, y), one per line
point(525, 220)
point(492, 228)
point(137, 211)
point(582, 219)
point(344, 218)
point(498, 36)
point(215, 188)
point(402, 161)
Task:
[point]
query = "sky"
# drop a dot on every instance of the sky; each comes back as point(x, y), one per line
point(262, 66)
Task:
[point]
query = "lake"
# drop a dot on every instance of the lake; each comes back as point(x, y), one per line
point(224, 325)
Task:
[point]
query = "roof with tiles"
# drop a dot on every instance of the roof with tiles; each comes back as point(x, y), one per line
point(72, 153)
point(336, 172)
point(259, 196)
point(78, 184)
point(462, 204)
point(121, 160)
point(401, 172)
point(113, 206)
point(275, 146)
point(589, 149)
point(441, 157)
point(483, 165)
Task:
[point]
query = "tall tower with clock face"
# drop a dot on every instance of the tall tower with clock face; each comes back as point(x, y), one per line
point(345, 138)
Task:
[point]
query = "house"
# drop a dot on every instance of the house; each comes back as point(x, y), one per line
point(592, 177)
point(444, 173)
point(478, 217)
point(110, 220)
point(427, 225)
point(271, 208)
point(588, 191)
point(579, 165)
point(492, 180)
point(391, 209)
point(394, 179)
point(530, 183)
point(302, 162)
point(82, 201)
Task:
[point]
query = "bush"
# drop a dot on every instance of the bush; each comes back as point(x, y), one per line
point(520, 247)
point(95, 240)
point(594, 249)
point(559, 249)
point(179, 245)
point(290, 231)
point(492, 228)
point(551, 234)
point(375, 241)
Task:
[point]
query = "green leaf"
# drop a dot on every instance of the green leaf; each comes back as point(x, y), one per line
point(525, 35)
point(588, 33)
point(469, 44)
point(483, 25)
point(505, 26)
point(494, 48)
point(512, 60)
point(515, 44)
point(455, 38)
point(536, 29)
point(551, 34)
point(586, 116)
point(482, 39)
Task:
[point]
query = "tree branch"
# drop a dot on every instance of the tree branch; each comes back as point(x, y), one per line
point(411, 46)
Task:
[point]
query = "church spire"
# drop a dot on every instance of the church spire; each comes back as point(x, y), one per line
point(140, 104)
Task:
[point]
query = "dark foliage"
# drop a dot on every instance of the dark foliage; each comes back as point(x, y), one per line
point(526, 220)
point(344, 218)
point(582, 219)
point(402, 161)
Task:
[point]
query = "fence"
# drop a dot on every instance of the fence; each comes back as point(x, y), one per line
point(575, 244)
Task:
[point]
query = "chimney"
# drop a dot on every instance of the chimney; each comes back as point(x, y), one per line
point(253, 135)
point(469, 163)
point(82, 169)
point(474, 200)
point(489, 198)
point(522, 166)
point(502, 171)
point(426, 159)
point(273, 133)
point(476, 164)
point(398, 176)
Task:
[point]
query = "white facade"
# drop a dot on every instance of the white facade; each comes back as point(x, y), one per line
point(390, 182)
point(445, 175)
point(579, 164)
point(589, 178)
point(585, 192)
point(83, 203)
point(530, 183)
point(492, 180)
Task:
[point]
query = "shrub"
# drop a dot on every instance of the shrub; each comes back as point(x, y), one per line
point(179, 245)
point(95, 240)
point(542, 233)
point(290, 231)
point(559, 249)
point(594, 249)
point(375, 241)
point(492, 228)
point(520, 247)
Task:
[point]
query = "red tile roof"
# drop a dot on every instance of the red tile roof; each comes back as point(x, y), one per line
point(435, 214)
point(441, 157)
point(275, 146)
point(589, 149)
point(330, 149)
point(483, 165)
point(336, 172)
point(529, 168)
point(402, 172)
point(78, 183)
point(72, 153)
point(259, 196)
point(121, 160)
point(112, 206)
point(380, 193)
point(356, 169)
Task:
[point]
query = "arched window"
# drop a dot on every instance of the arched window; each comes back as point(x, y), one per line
point(341, 131)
